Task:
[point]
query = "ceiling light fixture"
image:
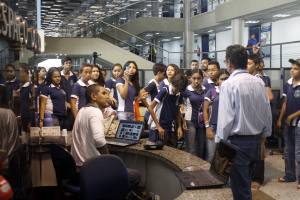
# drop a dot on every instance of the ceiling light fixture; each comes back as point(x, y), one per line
point(228, 27)
point(210, 31)
point(177, 37)
point(281, 15)
point(252, 22)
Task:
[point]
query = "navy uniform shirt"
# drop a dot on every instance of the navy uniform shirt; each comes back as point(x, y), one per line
point(11, 87)
point(208, 83)
point(38, 90)
point(111, 85)
point(78, 92)
point(164, 83)
point(292, 94)
point(126, 105)
point(68, 84)
point(25, 103)
point(56, 99)
point(266, 80)
point(193, 104)
point(212, 96)
point(167, 108)
point(152, 88)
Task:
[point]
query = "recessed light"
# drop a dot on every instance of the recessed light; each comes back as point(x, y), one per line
point(177, 37)
point(149, 5)
point(157, 33)
point(281, 15)
point(210, 31)
point(252, 22)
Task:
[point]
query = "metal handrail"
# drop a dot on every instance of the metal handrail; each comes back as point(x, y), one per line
point(115, 27)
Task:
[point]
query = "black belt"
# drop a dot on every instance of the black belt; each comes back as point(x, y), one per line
point(245, 136)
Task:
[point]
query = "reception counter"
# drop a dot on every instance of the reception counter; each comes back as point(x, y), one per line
point(158, 169)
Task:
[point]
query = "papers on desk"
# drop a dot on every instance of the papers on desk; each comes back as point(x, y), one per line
point(50, 134)
point(45, 131)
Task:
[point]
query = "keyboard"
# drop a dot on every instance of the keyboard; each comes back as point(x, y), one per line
point(120, 142)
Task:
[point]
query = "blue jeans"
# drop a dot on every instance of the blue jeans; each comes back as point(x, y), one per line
point(243, 164)
point(292, 153)
point(196, 140)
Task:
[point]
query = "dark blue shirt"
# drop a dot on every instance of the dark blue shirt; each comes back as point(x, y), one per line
point(38, 90)
point(111, 84)
point(208, 83)
point(266, 80)
point(68, 84)
point(25, 103)
point(126, 104)
point(193, 104)
point(56, 99)
point(212, 96)
point(292, 94)
point(13, 101)
point(152, 88)
point(78, 92)
point(167, 108)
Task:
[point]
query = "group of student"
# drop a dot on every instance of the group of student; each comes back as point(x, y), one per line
point(180, 105)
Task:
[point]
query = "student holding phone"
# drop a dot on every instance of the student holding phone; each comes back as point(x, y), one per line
point(127, 90)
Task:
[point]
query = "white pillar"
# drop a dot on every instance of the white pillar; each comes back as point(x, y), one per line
point(188, 34)
point(237, 31)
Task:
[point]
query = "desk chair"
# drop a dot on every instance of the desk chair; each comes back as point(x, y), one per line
point(104, 177)
point(65, 169)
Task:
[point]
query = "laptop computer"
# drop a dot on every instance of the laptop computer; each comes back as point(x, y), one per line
point(218, 174)
point(128, 133)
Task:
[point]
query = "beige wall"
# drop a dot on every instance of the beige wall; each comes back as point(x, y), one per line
point(79, 46)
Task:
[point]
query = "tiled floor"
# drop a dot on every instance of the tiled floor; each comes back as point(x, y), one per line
point(274, 168)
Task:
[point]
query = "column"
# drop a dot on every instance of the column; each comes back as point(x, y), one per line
point(237, 31)
point(188, 34)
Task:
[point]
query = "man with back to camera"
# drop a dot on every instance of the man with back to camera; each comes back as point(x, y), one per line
point(88, 138)
point(244, 119)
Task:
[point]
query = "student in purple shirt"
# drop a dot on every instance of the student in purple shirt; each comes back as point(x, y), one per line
point(165, 113)
point(210, 113)
point(213, 73)
point(53, 100)
point(111, 83)
point(128, 89)
point(290, 112)
point(194, 98)
point(78, 97)
point(152, 88)
point(27, 97)
point(255, 67)
point(12, 85)
point(96, 76)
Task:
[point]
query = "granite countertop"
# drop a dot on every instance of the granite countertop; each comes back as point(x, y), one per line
point(180, 161)
point(177, 159)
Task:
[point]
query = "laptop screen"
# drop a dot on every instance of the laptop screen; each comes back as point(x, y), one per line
point(130, 130)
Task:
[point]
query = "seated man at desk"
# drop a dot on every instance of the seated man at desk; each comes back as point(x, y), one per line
point(88, 138)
